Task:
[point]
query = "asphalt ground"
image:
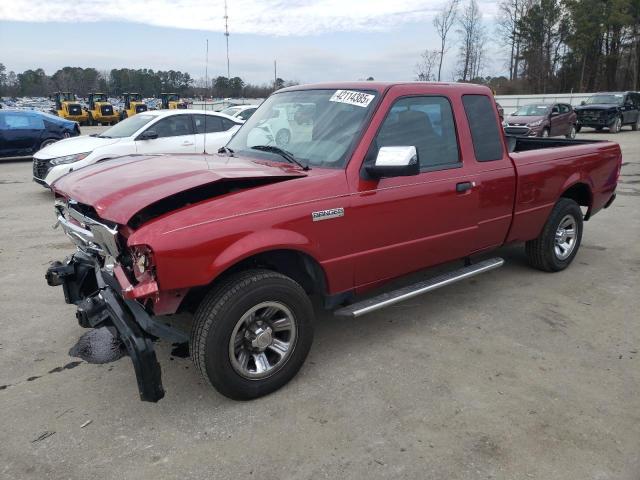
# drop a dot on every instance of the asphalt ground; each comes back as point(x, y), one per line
point(515, 374)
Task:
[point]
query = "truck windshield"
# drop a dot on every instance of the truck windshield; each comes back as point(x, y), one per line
point(610, 99)
point(317, 127)
point(127, 127)
point(531, 111)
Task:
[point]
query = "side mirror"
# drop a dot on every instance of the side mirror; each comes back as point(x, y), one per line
point(148, 135)
point(555, 113)
point(395, 162)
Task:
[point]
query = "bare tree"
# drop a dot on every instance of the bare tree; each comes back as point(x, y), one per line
point(510, 13)
point(473, 38)
point(443, 22)
point(425, 68)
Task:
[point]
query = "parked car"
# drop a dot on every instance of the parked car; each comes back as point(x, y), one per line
point(241, 112)
point(241, 239)
point(610, 110)
point(542, 120)
point(24, 132)
point(158, 131)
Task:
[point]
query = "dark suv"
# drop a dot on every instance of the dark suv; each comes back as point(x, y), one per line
point(610, 110)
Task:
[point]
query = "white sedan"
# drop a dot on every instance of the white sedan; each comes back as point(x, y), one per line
point(241, 112)
point(158, 131)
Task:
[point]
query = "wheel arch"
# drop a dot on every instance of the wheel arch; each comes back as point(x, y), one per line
point(581, 193)
point(294, 263)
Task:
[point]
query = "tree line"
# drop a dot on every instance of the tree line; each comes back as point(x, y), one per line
point(149, 83)
point(547, 45)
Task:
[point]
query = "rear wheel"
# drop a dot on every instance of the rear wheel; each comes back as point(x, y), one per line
point(636, 126)
point(545, 133)
point(578, 128)
point(560, 239)
point(572, 132)
point(252, 333)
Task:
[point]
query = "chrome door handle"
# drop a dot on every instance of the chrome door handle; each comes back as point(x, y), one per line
point(187, 144)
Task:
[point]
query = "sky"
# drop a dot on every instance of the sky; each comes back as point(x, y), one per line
point(311, 40)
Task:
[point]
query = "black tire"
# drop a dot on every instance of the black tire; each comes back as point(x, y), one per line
point(599, 129)
point(616, 126)
point(636, 126)
point(578, 128)
point(47, 142)
point(91, 122)
point(545, 133)
point(572, 132)
point(541, 252)
point(218, 315)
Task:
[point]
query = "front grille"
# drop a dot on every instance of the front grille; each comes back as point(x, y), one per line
point(141, 108)
point(516, 130)
point(75, 110)
point(106, 110)
point(41, 168)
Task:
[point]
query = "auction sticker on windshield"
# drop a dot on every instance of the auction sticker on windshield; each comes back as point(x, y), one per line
point(351, 97)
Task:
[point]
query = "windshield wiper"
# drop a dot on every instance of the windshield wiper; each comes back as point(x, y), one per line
point(283, 153)
point(226, 150)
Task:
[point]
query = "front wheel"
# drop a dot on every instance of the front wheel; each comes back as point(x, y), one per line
point(578, 128)
point(636, 126)
point(616, 126)
point(47, 142)
point(558, 244)
point(252, 333)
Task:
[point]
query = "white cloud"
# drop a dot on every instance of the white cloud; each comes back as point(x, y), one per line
point(272, 17)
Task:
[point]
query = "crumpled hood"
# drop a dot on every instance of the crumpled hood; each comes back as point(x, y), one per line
point(71, 146)
point(118, 189)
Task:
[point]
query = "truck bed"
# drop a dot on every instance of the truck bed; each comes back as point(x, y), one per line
point(523, 144)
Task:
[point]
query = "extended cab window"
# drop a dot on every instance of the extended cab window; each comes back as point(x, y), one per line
point(425, 123)
point(487, 140)
point(173, 126)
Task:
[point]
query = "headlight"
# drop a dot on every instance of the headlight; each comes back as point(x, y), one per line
point(142, 262)
point(535, 124)
point(69, 158)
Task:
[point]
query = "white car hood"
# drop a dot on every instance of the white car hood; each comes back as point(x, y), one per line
point(71, 146)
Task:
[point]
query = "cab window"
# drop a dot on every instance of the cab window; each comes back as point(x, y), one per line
point(173, 126)
point(20, 121)
point(425, 123)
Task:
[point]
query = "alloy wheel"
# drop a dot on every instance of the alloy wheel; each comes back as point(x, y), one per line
point(565, 238)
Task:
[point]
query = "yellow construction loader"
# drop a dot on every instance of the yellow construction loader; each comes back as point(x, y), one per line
point(100, 110)
point(132, 104)
point(69, 108)
point(172, 101)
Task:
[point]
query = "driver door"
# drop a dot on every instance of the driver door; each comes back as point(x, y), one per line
point(175, 135)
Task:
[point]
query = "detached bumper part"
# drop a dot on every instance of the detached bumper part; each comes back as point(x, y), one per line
point(100, 304)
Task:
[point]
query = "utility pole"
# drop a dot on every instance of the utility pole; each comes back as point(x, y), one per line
point(226, 34)
point(206, 74)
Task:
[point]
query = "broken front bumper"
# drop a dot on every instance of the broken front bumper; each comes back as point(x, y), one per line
point(98, 296)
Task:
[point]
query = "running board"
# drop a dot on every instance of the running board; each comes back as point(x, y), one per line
point(400, 295)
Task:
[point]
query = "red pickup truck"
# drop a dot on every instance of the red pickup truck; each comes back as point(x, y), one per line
point(327, 191)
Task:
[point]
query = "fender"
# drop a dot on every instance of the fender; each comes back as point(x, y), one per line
point(259, 242)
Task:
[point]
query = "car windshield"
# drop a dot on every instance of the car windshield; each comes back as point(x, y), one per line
point(531, 110)
point(608, 99)
point(317, 127)
point(127, 127)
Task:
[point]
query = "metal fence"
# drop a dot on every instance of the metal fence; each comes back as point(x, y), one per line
point(217, 105)
point(510, 103)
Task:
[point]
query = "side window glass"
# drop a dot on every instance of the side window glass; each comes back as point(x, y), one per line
point(173, 126)
point(487, 141)
point(208, 124)
point(245, 114)
point(425, 123)
point(564, 108)
point(226, 124)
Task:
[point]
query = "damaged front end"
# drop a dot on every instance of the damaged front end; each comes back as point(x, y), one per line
point(93, 280)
